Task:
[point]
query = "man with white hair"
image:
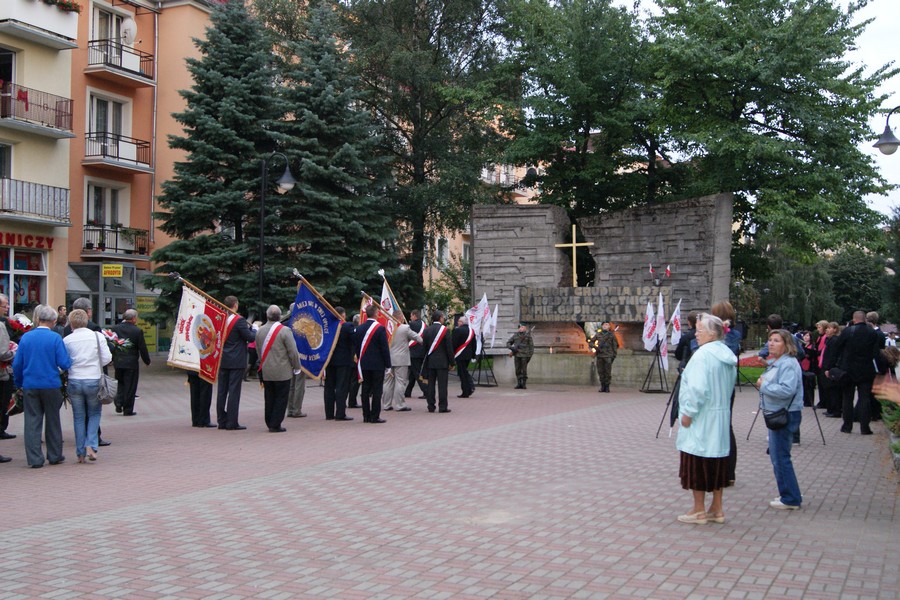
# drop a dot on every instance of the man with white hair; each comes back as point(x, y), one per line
point(279, 361)
point(39, 359)
point(395, 383)
point(126, 361)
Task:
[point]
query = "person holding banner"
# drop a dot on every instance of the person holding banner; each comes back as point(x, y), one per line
point(463, 352)
point(395, 382)
point(339, 371)
point(279, 361)
point(371, 342)
point(232, 367)
point(438, 358)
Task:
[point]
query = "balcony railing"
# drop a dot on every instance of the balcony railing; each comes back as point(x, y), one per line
point(20, 103)
point(116, 240)
point(119, 148)
point(28, 201)
point(110, 53)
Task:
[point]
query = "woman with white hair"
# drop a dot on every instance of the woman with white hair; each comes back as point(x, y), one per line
point(89, 353)
point(705, 414)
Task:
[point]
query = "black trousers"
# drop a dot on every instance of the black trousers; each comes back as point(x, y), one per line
point(6, 392)
point(372, 384)
point(465, 378)
point(863, 406)
point(437, 382)
point(337, 386)
point(276, 398)
point(353, 393)
point(228, 397)
point(201, 399)
point(128, 382)
point(415, 369)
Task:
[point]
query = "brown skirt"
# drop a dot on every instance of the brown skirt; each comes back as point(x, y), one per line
point(704, 474)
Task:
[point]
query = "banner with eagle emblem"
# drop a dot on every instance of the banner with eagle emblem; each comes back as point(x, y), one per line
point(199, 334)
point(315, 326)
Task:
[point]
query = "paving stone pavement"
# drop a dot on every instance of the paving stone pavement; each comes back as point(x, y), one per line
point(552, 492)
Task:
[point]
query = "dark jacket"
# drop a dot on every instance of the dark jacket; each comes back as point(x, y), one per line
point(684, 350)
point(234, 351)
point(458, 339)
point(856, 349)
point(378, 353)
point(128, 358)
point(442, 357)
point(417, 350)
point(343, 350)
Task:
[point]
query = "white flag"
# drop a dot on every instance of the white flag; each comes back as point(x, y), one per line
point(492, 329)
point(661, 333)
point(649, 334)
point(676, 324)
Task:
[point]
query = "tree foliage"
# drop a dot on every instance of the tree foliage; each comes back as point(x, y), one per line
point(859, 281)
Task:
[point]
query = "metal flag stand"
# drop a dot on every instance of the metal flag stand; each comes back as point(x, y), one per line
point(656, 365)
point(485, 367)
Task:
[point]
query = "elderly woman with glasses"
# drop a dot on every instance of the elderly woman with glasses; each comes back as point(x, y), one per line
point(705, 414)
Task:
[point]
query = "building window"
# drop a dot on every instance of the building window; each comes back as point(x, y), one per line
point(5, 161)
point(107, 25)
point(102, 205)
point(466, 251)
point(442, 255)
point(106, 115)
point(23, 278)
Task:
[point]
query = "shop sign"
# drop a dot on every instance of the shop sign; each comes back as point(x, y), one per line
point(26, 240)
point(113, 270)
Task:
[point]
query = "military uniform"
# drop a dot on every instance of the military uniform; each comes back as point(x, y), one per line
point(522, 348)
point(605, 345)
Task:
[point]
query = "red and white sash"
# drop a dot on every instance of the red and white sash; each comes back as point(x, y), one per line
point(267, 343)
point(437, 339)
point(465, 344)
point(230, 320)
point(365, 346)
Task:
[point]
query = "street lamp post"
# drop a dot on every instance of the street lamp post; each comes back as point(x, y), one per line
point(888, 143)
point(285, 183)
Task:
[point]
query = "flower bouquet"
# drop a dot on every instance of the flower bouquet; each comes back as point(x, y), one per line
point(116, 344)
point(19, 325)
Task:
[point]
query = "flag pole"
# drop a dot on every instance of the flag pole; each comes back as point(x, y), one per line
point(315, 292)
point(177, 277)
point(372, 300)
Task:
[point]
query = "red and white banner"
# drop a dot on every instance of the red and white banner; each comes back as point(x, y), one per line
point(661, 333)
point(382, 316)
point(479, 319)
point(649, 335)
point(676, 325)
point(199, 335)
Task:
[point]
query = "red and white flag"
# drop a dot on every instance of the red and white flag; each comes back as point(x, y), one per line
point(675, 321)
point(649, 334)
point(491, 329)
point(661, 333)
point(651, 269)
point(478, 317)
point(668, 271)
point(199, 335)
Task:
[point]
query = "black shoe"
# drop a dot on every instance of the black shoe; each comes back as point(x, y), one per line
point(4, 459)
point(61, 460)
point(277, 429)
point(430, 409)
point(404, 409)
point(423, 397)
point(354, 405)
point(221, 427)
point(463, 395)
point(377, 421)
point(329, 418)
point(866, 432)
point(344, 418)
point(208, 426)
point(846, 430)
point(36, 466)
point(118, 409)
point(237, 428)
point(104, 443)
point(129, 414)
point(7, 436)
point(445, 410)
point(820, 406)
point(831, 415)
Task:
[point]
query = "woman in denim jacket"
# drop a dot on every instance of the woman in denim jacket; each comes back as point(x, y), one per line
point(781, 386)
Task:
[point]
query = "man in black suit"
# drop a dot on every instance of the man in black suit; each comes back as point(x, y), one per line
point(126, 361)
point(416, 355)
point(464, 351)
point(855, 350)
point(339, 371)
point(232, 367)
point(6, 380)
point(374, 352)
point(438, 358)
point(353, 392)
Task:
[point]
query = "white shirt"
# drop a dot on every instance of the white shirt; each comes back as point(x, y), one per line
point(82, 347)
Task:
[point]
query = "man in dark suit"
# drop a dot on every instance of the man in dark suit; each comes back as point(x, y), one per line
point(339, 371)
point(232, 367)
point(463, 340)
point(855, 350)
point(126, 361)
point(438, 358)
point(374, 352)
point(416, 355)
point(353, 392)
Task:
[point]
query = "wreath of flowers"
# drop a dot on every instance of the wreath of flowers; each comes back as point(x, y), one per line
point(65, 5)
point(116, 344)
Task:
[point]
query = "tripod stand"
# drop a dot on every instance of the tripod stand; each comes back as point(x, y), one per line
point(673, 414)
point(759, 410)
point(657, 365)
point(488, 372)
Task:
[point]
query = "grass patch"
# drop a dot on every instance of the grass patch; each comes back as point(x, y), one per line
point(751, 373)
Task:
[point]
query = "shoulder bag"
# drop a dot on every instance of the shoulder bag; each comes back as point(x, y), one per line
point(775, 419)
point(108, 386)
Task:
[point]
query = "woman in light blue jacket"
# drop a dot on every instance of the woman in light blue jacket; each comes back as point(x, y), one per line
point(705, 414)
point(781, 386)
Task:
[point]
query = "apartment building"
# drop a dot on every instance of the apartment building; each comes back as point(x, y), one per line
point(37, 41)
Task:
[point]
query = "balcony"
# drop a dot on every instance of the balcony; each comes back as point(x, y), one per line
point(109, 240)
point(39, 23)
point(113, 61)
point(34, 203)
point(117, 152)
point(34, 111)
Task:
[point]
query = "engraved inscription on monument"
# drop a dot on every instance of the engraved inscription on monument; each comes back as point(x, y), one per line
point(606, 303)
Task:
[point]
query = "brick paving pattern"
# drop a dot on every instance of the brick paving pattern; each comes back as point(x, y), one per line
point(554, 492)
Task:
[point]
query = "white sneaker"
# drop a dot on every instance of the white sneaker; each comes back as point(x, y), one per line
point(777, 503)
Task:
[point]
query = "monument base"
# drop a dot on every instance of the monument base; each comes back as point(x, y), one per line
point(629, 370)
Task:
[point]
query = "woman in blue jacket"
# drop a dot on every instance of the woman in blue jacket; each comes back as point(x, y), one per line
point(705, 413)
point(781, 386)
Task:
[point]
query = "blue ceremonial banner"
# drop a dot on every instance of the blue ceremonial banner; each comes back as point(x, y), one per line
point(315, 326)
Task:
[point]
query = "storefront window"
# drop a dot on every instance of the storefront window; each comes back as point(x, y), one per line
point(25, 283)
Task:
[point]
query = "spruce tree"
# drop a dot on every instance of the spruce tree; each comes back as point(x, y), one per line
point(213, 198)
point(335, 227)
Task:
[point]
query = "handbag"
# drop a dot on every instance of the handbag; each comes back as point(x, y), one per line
point(109, 387)
point(775, 419)
point(837, 374)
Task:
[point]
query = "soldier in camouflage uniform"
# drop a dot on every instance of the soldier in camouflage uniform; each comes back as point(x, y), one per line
point(521, 348)
point(604, 344)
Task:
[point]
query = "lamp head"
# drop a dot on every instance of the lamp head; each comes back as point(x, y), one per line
point(888, 142)
point(286, 182)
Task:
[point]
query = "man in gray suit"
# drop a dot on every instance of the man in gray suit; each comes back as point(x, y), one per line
point(279, 362)
point(395, 382)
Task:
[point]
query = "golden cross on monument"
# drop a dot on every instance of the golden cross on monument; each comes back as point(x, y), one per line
point(574, 247)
